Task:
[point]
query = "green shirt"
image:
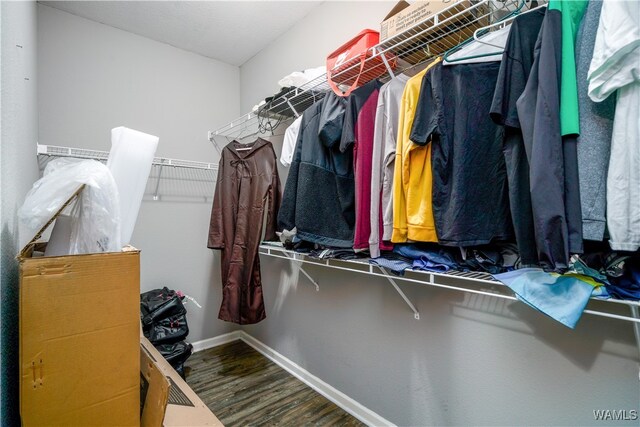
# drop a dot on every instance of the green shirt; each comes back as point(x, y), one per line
point(572, 12)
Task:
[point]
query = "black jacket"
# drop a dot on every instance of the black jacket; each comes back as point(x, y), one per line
point(319, 196)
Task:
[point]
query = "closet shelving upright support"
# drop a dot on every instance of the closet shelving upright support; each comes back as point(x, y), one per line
point(432, 37)
point(202, 173)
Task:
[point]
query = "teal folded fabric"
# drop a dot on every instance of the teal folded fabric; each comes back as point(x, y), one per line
point(562, 298)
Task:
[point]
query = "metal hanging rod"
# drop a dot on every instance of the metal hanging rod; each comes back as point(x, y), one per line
point(436, 280)
point(82, 153)
point(432, 37)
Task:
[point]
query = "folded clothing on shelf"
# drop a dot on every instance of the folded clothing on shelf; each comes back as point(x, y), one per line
point(302, 78)
point(393, 262)
point(428, 257)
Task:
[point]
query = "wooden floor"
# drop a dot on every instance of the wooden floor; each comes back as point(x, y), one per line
point(244, 388)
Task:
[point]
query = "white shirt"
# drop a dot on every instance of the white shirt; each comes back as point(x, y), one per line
point(615, 66)
point(289, 143)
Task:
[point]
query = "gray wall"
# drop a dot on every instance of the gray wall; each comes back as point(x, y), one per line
point(93, 78)
point(468, 360)
point(18, 170)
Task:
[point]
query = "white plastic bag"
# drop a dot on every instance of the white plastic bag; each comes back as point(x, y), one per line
point(95, 216)
point(301, 78)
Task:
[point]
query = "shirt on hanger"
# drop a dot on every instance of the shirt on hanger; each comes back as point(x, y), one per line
point(289, 142)
point(571, 12)
point(470, 201)
point(553, 165)
point(319, 196)
point(517, 60)
point(515, 68)
point(357, 134)
point(571, 15)
point(384, 158)
point(412, 206)
point(596, 127)
point(616, 67)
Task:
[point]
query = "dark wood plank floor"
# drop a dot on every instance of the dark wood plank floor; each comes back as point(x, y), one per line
point(242, 387)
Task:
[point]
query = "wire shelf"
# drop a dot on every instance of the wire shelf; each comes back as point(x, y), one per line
point(82, 153)
point(169, 179)
point(425, 40)
point(469, 282)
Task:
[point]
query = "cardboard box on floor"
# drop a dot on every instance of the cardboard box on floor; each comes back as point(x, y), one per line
point(184, 407)
point(79, 337)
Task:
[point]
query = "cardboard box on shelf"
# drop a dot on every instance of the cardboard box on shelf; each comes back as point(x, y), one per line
point(457, 22)
point(405, 15)
point(184, 407)
point(79, 336)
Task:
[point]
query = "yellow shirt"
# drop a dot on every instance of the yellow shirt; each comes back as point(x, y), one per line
point(412, 179)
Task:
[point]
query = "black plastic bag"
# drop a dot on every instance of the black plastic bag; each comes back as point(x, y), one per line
point(159, 304)
point(180, 369)
point(176, 353)
point(168, 331)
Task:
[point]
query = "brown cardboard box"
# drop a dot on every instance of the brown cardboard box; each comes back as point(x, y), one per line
point(456, 24)
point(154, 390)
point(184, 407)
point(404, 15)
point(79, 338)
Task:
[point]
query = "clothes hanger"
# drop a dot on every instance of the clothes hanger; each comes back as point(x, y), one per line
point(249, 144)
point(480, 32)
point(240, 136)
point(478, 40)
point(502, 24)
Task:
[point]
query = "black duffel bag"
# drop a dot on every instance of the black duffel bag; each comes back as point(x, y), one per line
point(159, 304)
point(167, 331)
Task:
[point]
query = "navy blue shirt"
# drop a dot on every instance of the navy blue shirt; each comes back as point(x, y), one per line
point(470, 201)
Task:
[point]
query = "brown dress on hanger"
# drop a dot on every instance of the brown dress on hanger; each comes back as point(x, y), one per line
point(247, 185)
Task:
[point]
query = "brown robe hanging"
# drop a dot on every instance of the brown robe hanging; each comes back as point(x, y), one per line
point(247, 184)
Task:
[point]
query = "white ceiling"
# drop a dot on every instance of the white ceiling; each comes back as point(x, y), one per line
point(229, 31)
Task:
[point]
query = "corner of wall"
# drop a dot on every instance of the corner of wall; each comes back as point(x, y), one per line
point(18, 171)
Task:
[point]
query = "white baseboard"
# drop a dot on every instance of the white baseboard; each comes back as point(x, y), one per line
point(216, 341)
point(359, 411)
point(354, 408)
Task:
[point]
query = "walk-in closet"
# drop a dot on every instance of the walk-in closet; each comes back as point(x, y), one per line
point(320, 213)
